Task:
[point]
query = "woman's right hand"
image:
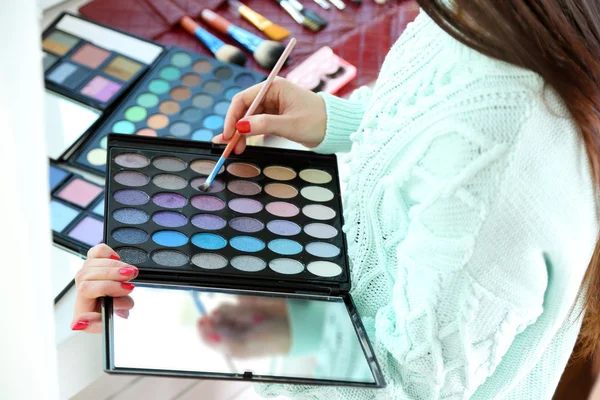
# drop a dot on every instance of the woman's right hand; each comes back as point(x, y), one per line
point(287, 111)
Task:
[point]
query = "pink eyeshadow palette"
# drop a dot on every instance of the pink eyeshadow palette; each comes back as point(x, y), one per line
point(272, 215)
point(76, 210)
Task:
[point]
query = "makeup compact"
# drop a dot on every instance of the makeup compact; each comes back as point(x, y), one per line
point(324, 71)
point(264, 245)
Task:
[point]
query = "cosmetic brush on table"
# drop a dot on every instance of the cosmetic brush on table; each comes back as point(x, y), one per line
point(302, 16)
point(257, 101)
point(323, 4)
point(265, 52)
point(223, 52)
point(339, 4)
point(270, 29)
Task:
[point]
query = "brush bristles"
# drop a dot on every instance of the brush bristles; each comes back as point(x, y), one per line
point(267, 54)
point(231, 54)
point(276, 32)
point(205, 187)
point(312, 25)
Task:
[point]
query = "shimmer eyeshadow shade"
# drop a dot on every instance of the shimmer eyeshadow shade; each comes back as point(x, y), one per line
point(122, 68)
point(59, 43)
point(90, 55)
point(79, 192)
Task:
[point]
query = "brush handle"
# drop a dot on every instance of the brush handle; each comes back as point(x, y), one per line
point(212, 42)
point(243, 37)
point(254, 18)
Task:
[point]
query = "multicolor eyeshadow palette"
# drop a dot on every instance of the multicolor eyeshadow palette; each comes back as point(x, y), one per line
point(76, 210)
point(268, 230)
point(185, 96)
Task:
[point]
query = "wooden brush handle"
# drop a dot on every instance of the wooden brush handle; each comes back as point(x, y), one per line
point(215, 21)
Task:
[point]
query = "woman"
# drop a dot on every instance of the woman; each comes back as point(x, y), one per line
point(470, 209)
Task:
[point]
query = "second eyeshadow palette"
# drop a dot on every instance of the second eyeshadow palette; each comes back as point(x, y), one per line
point(270, 214)
point(186, 96)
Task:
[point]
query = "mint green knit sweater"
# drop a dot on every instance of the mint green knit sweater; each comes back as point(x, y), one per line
point(470, 218)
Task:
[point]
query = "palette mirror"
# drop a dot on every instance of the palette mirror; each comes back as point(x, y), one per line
point(233, 334)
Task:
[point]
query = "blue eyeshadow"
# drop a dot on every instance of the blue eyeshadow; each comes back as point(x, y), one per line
point(56, 176)
point(99, 209)
point(61, 215)
point(247, 243)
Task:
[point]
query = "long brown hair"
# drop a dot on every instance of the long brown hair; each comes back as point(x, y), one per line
point(559, 40)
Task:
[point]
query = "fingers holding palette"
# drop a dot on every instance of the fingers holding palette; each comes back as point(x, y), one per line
point(270, 215)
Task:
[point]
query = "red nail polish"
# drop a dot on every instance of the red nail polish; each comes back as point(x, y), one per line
point(214, 338)
point(127, 286)
point(257, 319)
point(243, 126)
point(81, 325)
point(114, 257)
point(127, 271)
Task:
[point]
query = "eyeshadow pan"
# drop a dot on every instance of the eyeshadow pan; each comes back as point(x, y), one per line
point(130, 235)
point(248, 263)
point(214, 122)
point(246, 224)
point(181, 93)
point(191, 80)
point(316, 193)
point(169, 73)
point(279, 173)
point(181, 60)
point(281, 190)
point(232, 91)
point(204, 167)
point(122, 68)
point(61, 215)
point(97, 157)
point(48, 61)
point(169, 164)
point(147, 132)
point(68, 75)
point(157, 121)
point(283, 227)
point(131, 178)
point(285, 247)
point(202, 135)
point(80, 192)
point(132, 255)
point(243, 170)
point(244, 80)
point(158, 86)
point(101, 89)
point(207, 203)
point(191, 114)
point(90, 55)
point(209, 261)
point(202, 100)
point(213, 87)
point(59, 43)
point(248, 244)
point(215, 187)
point(202, 66)
point(56, 176)
point(244, 188)
point(320, 231)
point(169, 181)
point(245, 206)
point(208, 241)
point(282, 209)
point(223, 73)
point(131, 160)
point(180, 129)
point(89, 231)
point(315, 176)
point(222, 107)
point(318, 212)
point(169, 200)
point(169, 219)
point(324, 269)
point(130, 197)
point(147, 100)
point(136, 114)
point(321, 249)
point(130, 216)
point(208, 222)
point(99, 208)
point(124, 127)
point(169, 238)
point(170, 258)
point(286, 266)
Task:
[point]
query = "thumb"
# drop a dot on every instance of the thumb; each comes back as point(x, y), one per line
point(265, 124)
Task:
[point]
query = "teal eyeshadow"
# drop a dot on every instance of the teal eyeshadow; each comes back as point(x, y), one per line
point(170, 73)
point(208, 241)
point(125, 127)
point(158, 86)
point(147, 100)
point(61, 215)
point(247, 244)
point(99, 209)
point(181, 60)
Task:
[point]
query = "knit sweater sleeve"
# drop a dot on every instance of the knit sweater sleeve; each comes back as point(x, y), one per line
point(343, 119)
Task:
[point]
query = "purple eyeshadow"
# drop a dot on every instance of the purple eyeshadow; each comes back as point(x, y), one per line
point(88, 230)
point(217, 185)
point(169, 200)
point(169, 219)
point(244, 188)
point(246, 224)
point(131, 178)
point(131, 197)
point(245, 206)
point(283, 228)
point(208, 222)
point(207, 203)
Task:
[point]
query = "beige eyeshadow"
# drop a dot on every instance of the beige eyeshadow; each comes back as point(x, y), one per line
point(280, 173)
point(281, 190)
point(157, 121)
point(243, 170)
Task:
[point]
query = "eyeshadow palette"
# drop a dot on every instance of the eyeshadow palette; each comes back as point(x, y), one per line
point(76, 210)
point(186, 96)
point(249, 280)
point(269, 215)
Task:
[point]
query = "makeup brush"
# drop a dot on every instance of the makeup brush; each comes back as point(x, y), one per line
point(271, 30)
point(301, 15)
point(223, 52)
point(257, 100)
point(265, 52)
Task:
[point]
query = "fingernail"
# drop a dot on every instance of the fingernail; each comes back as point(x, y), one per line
point(257, 319)
point(127, 271)
point(81, 325)
point(127, 286)
point(243, 126)
point(122, 313)
point(114, 256)
point(214, 337)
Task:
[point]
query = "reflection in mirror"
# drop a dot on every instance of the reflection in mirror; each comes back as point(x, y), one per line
point(66, 121)
point(227, 332)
